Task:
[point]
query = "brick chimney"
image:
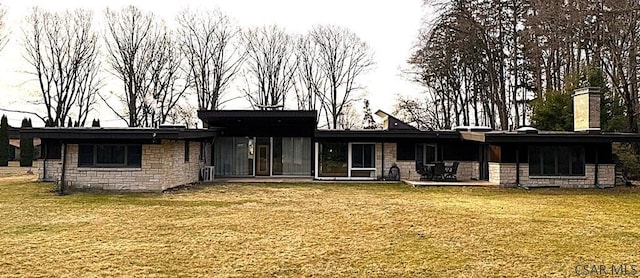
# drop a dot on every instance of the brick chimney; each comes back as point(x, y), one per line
point(586, 109)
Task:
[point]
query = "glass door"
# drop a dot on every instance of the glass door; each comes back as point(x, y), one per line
point(262, 161)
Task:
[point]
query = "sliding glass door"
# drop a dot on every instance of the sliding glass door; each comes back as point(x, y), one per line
point(233, 156)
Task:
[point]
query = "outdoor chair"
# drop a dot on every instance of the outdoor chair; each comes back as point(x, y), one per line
point(451, 172)
point(424, 172)
point(438, 171)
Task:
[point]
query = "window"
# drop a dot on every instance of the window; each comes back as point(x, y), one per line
point(426, 153)
point(109, 155)
point(186, 151)
point(363, 156)
point(52, 150)
point(202, 154)
point(406, 151)
point(233, 156)
point(333, 160)
point(556, 161)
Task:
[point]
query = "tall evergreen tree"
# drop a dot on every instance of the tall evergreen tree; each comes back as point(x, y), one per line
point(26, 147)
point(4, 141)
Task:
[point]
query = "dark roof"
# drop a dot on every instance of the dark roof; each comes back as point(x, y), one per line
point(549, 137)
point(13, 132)
point(375, 134)
point(275, 123)
point(105, 134)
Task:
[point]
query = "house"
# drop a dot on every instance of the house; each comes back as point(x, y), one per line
point(281, 143)
point(14, 148)
point(121, 159)
point(14, 144)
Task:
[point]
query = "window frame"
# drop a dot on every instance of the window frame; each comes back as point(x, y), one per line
point(94, 154)
point(554, 153)
point(373, 161)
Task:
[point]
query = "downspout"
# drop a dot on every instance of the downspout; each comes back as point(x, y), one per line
point(518, 166)
point(64, 168)
point(382, 159)
point(44, 161)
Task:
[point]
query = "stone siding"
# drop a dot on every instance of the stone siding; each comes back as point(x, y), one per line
point(505, 175)
point(467, 170)
point(163, 167)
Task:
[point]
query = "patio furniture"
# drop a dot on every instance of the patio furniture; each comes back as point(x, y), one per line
point(451, 172)
point(438, 171)
point(425, 173)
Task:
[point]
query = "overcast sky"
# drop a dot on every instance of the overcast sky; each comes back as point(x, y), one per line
point(390, 28)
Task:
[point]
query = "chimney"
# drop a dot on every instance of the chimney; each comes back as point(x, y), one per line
point(586, 109)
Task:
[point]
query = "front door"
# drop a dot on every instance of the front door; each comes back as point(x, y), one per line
point(262, 160)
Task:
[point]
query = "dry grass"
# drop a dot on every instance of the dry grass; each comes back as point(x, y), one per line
point(316, 230)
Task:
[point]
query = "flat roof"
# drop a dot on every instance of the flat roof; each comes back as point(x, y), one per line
point(288, 123)
point(549, 137)
point(373, 134)
point(101, 133)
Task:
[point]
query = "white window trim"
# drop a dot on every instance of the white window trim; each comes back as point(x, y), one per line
point(361, 169)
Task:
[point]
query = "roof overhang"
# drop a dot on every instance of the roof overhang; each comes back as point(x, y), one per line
point(289, 123)
point(115, 135)
point(549, 137)
point(377, 135)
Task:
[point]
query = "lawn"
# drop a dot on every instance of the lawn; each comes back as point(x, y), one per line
point(324, 230)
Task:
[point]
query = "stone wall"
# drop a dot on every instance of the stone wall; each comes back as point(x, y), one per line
point(163, 167)
point(505, 175)
point(467, 170)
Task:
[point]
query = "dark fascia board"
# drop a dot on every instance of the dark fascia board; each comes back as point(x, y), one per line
point(549, 137)
point(72, 134)
point(209, 114)
point(373, 135)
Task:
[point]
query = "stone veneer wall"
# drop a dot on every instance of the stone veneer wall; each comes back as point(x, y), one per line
point(505, 175)
point(467, 170)
point(163, 167)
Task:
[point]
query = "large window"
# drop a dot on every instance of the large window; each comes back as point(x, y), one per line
point(556, 161)
point(109, 155)
point(333, 160)
point(291, 156)
point(363, 156)
point(233, 156)
point(426, 153)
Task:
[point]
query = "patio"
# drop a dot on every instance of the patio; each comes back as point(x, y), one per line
point(415, 183)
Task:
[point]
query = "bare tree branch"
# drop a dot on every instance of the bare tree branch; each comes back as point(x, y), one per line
point(62, 50)
point(208, 40)
point(270, 66)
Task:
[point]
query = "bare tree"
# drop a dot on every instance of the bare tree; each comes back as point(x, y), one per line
point(3, 27)
point(62, 50)
point(143, 54)
point(168, 83)
point(207, 40)
point(341, 57)
point(270, 66)
point(412, 111)
point(308, 78)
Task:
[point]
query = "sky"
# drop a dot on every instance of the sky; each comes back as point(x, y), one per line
point(389, 27)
